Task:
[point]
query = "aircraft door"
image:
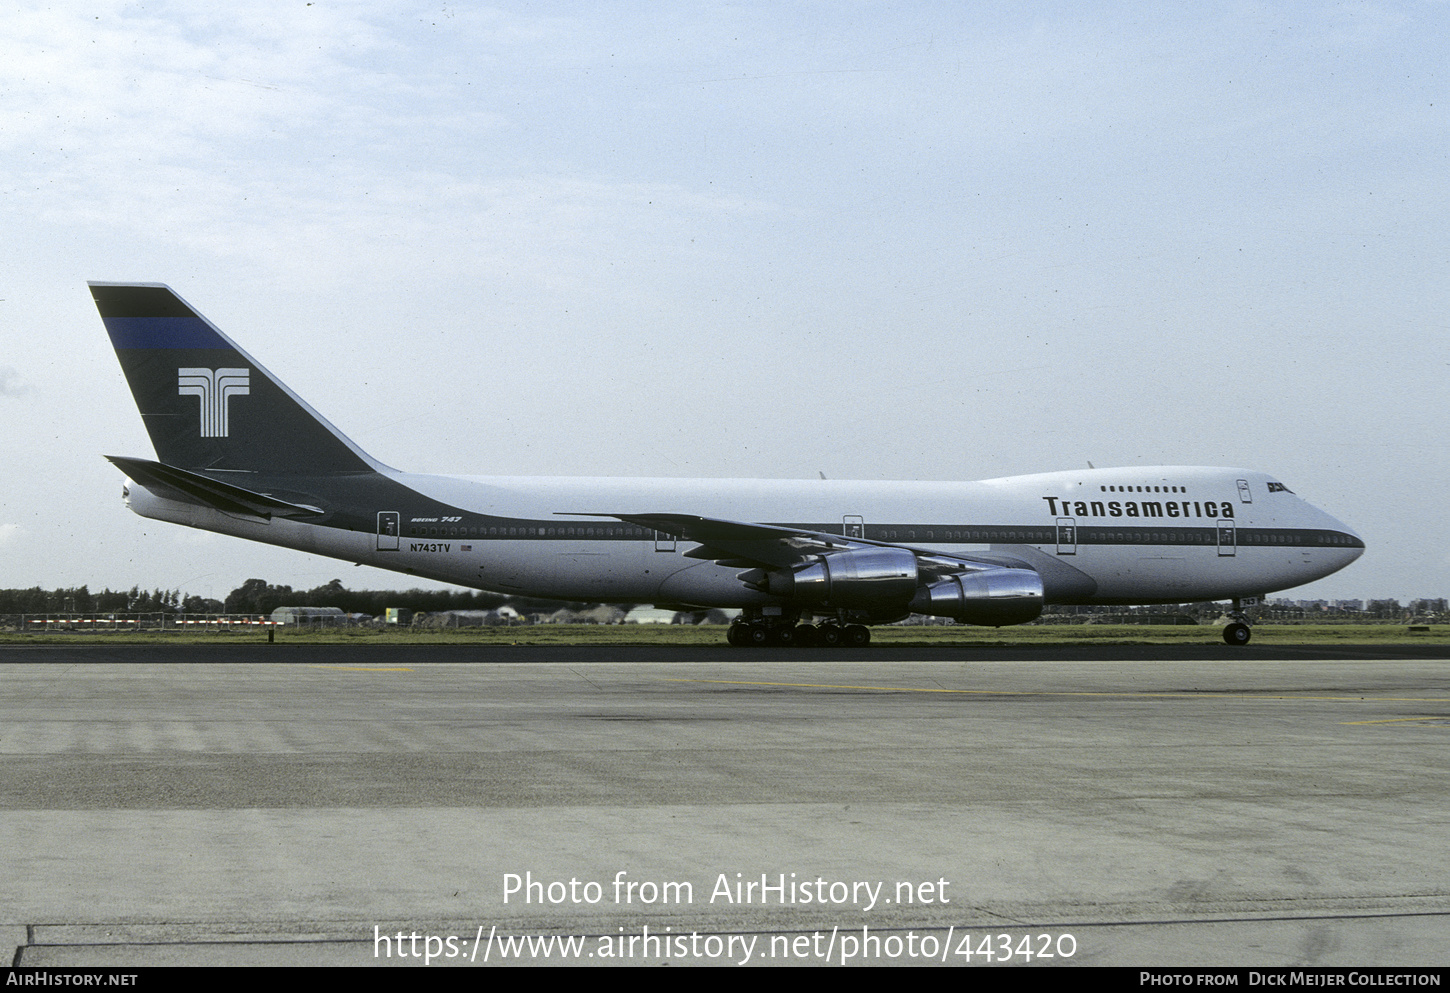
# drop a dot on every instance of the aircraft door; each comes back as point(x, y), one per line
point(853, 526)
point(388, 531)
point(1066, 536)
point(664, 542)
point(1227, 545)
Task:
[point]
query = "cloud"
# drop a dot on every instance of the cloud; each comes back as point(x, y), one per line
point(10, 384)
point(310, 148)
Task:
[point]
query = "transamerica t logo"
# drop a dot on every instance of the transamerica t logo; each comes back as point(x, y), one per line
point(215, 389)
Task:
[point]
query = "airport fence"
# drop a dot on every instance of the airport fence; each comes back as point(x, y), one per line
point(107, 623)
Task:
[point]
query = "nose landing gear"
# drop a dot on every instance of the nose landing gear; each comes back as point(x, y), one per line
point(1238, 632)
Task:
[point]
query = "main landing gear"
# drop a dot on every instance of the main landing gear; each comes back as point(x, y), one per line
point(783, 631)
point(1238, 631)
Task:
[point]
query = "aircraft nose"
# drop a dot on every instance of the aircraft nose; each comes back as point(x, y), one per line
point(1354, 544)
point(1358, 548)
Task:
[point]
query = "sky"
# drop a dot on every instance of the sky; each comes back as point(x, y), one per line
point(872, 240)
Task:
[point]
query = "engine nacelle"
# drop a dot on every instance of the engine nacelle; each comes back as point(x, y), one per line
point(992, 597)
point(863, 577)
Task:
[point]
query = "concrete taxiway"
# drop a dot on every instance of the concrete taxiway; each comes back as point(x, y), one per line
point(297, 805)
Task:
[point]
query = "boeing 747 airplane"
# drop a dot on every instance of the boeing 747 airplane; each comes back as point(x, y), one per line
point(240, 454)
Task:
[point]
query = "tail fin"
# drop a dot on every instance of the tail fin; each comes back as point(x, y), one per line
point(206, 403)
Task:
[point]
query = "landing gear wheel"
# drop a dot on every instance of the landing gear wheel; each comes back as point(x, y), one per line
point(1237, 633)
point(829, 635)
point(756, 635)
point(783, 635)
point(858, 635)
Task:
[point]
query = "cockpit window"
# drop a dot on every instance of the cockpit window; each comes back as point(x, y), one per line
point(1279, 488)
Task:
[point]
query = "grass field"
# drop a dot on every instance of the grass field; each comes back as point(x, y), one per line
point(666, 634)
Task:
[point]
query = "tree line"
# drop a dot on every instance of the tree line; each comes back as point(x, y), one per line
point(80, 600)
point(255, 596)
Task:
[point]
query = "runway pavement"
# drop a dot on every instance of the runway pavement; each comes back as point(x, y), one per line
point(1111, 806)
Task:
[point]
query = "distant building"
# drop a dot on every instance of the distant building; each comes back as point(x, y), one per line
point(602, 614)
point(468, 618)
point(649, 615)
point(308, 615)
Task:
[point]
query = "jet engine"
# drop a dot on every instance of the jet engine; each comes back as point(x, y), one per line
point(890, 580)
point(865, 578)
point(991, 597)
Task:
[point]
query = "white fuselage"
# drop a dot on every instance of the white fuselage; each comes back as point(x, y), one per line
point(1160, 534)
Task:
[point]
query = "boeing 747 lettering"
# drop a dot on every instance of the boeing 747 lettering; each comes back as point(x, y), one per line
point(239, 453)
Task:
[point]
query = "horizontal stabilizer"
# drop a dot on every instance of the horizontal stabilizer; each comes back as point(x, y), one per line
point(190, 487)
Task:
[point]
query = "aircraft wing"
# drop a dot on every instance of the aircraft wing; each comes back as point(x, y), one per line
point(773, 546)
point(737, 543)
